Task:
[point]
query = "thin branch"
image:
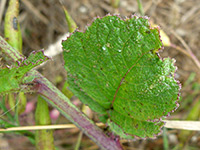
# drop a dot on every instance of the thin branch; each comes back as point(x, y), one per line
point(180, 49)
point(194, 58)
point(35, 12)
point(181, 125)
point(44, 127)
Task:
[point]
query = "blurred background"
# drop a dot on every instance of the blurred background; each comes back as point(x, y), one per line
point(43, 23)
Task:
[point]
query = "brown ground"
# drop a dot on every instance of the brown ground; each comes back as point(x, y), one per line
point(176, 17)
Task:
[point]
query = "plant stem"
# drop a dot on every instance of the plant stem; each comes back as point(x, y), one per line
point(11, 53)
point(78, 143)
point(58, 100)
point(165, 140)
point(14, 38)
point(43, 138)
point(140, 7)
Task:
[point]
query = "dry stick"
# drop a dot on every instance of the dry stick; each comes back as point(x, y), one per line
point(184, 125)
point(35, 12)
point(181, 125)
point(42, 127)
point(194, 58)
point(190, 14)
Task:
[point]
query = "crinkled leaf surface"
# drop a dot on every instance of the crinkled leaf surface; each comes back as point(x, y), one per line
point(11, 78)
point(114, 68)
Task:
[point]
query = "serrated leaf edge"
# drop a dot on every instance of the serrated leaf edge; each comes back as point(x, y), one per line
point(159, 50)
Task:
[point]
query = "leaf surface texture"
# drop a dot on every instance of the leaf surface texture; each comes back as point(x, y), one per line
point(114, 68)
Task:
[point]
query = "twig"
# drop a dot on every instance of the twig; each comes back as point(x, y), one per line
point(189, 14)
point(181, 125)
point(44, 127)
point(180, 49)
point(194, 58)
point(35, 12)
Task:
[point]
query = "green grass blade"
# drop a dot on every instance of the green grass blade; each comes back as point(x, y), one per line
point(43, 138)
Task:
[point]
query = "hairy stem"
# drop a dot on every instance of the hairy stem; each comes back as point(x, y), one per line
point(58, 100)
point(11, 53)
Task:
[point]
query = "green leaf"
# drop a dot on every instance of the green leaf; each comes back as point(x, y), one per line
point(12, 78)
point(114, 67)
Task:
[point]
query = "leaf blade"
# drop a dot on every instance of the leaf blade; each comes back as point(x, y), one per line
point(115, 63)
point(12, 78)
